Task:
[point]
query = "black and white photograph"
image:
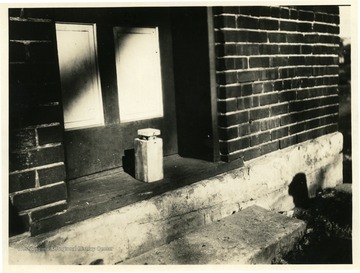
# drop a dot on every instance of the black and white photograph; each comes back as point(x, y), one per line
point(206, 133)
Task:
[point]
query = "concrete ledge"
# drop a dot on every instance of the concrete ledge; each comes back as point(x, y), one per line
point(251, 236)
point(135, 229)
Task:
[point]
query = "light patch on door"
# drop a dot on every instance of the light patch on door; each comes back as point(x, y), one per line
point(80, 81)
point(138, 73)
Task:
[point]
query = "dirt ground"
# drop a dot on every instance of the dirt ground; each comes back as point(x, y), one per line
point(328, 235)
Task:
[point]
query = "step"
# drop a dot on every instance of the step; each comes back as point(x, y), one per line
point(251, 236)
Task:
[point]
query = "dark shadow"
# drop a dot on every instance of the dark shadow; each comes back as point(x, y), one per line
point(128, 161)
point(17, 224)
point(299, 191)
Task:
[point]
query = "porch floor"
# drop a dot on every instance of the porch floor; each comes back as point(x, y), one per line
point(103, 192)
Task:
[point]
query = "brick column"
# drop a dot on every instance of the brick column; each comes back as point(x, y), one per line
point(37, 176)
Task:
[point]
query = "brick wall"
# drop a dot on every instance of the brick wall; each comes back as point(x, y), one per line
point(37, 171)
point(277, 75)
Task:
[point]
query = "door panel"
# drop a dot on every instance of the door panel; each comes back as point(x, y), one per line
point(81, 93)
point(138, 73)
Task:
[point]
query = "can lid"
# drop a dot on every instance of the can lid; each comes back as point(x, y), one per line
point(148, 132)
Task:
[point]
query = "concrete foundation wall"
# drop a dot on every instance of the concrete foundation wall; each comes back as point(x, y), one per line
point(134, 229)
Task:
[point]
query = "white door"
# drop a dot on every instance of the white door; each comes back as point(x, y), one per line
point(138, 73)
point(80, 82)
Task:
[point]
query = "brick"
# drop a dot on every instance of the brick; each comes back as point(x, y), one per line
point(306, 49)
point(246, 89)
point(225, 50)
point(233, 36)
point(287, 119)
point(298, 60)
point(278, 85)
point(287, 84)
point(259, 113)
point(41, 53)
point(228, 133)
point(295, 83)
point(288, 141)
point(251, 153)
point(279, 61)
point(22, 139)
point(307, 82)
point(230, 158)
point(52, 175)
point(30, 73)
point(15, 12)
point(256, 37)
point(306, 16)
point(41, 13)
point(267, 49)
point(331, 128)
point(259, 62)
point(46, 212)
point(287, 73)
point(279, 133)
point(269, 124)
point(47, 135)
point(255, 101)
point(233, 119)
point(226, 77)
point(304, 27)
point(40, 196)
point(295, 38)
point(249, 10)
point(17, 52)
point(299, 127)
point(285, 13)
point(268, 74)
point(276, 37)
point(225, 21)
point(270, 147)
point(264, 11)
point(275, 12)
point(227, 106)
point(255, 126)
point(35, 158)
point(34, 93)
point(294, 14)
point(257, 88)
point(23, 117)
point(268, 87)
point(260, 138)
point(247, 22)
point(248, 49)
point(226, 9)
point(304, 71)
point(27, 30)
point(248, 76)
point(286, 96)
point(229, 92)
point(244, 130)
point(225, 64)
point(241, 63)
point(327, 39)
point(21, 181)
point(289, 49)
point(269, 99)
point(311, 38)
point(244, 103)
point(233, 146)
point(279, 109)
point(269, 24)
point(288, 26)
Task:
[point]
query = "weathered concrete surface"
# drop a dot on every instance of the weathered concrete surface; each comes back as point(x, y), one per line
point(251, 236)
point(346, 188)
point(135, 229)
